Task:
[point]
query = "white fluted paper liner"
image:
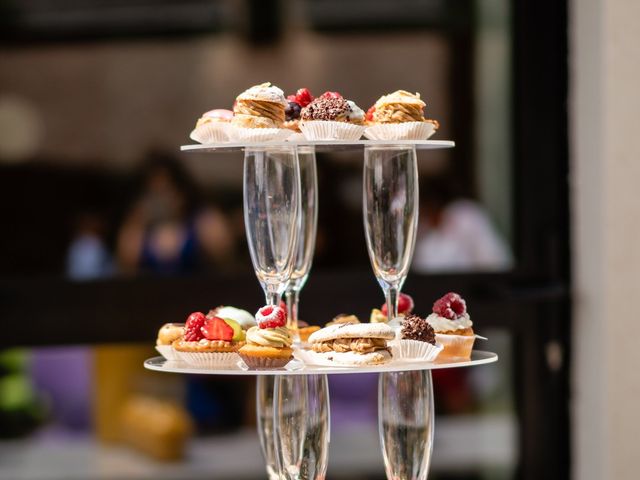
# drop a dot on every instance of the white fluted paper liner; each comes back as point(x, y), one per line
point(167, 352)
point(330, 130)
point(296, 137)
point(242, 134)
point(409, 350)
point(212, 132)
point(455, 346)
point(208, 359)
point(400, 131)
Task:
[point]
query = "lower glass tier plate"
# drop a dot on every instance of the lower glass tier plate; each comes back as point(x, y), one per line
point(296, 367)
point(320, 146)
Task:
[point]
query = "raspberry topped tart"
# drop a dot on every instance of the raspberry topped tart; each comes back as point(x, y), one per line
point(453, 326)
point(269, 344)
point(405, 307)
point(209, 341)
point(296, 103)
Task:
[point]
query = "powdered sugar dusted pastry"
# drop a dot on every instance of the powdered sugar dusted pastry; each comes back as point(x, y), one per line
point(261, 106)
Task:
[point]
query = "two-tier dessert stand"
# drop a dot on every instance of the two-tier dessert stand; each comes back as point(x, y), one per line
point(293, 402)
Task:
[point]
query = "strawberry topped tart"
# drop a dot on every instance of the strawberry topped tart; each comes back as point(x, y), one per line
point(209, 341)
point(269, 344)
point(453, 326)
point(405, 307)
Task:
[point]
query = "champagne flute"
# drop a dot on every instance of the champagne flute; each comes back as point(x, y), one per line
point(306, 235)
point(264, 414)
point(271, 215)
point(390, 204)
point(301, 426)
point(406, 423)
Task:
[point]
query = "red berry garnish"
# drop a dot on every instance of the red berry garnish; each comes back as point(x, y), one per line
point(192, 327)
point(271, 317)
point(369, 115)
point(405, 305)
point(450, 306)
point(303, 97)
point(331, 95)
point(217, 329)
point(292, 98)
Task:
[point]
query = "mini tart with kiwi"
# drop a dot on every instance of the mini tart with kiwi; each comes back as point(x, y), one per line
point(209, 342)
point(269, 344)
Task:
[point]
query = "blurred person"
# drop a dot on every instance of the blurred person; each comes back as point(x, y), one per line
point(88, 257)
point(454, 233)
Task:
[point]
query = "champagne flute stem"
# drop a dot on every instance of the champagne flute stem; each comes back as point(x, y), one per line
point(292, 297)
point(272, 296)
point(391, 294)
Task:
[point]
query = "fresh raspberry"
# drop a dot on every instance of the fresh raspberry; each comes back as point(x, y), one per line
point(450, 306)
point(192, 327)
point(405, 305)
point(292, 98)
point(217, 329)
point(271, 317)
point(303, 97)
point(331, 95)
point(369, 115)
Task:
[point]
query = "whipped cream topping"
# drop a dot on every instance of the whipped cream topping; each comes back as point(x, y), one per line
point(264, 92)
point(278, 337)
point(356, 114)
point(400, 96)
point(442, 324)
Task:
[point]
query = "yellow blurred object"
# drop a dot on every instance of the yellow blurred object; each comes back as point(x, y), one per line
point(155, 427)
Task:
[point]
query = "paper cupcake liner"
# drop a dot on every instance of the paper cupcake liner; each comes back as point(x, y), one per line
point(455, 346)
point(212, 132)
point(400, 131)
point(255, 362)
point(240, 134)
point(415, 350)
point(329, 130)
point(167, 352)
point(296, 137)
point(208, 359)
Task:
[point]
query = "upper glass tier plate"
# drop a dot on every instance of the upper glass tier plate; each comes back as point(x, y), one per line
point(321, 146)
point(296, 367)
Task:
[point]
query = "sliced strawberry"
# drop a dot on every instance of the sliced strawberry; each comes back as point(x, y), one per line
point(303, 97)
point(271, 317)
point(369, 115)
point(405, 305)
point(192, 327)
point(217, 329)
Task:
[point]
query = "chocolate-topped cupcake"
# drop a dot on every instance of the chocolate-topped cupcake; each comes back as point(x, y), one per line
point(332, 117)
point(416, 328)
point(417, 341)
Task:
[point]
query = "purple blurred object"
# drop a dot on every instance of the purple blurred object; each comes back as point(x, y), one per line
point(62, 376)
point(354, 399)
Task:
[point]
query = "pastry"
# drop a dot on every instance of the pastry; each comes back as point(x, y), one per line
point(296, 103)
point(167, 334)
point(353, 344)
point(453, 326)
point(269, 344)
point(304, 330)
point(399, 116)
point(209, 342)
point(261, 106)
point(342, 319)
point(212, 127)
point(405, 307)
point(244, 318)
point(332, 117)
point(416, 341)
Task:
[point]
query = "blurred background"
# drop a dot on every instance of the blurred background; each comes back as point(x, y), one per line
point(109, 231)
